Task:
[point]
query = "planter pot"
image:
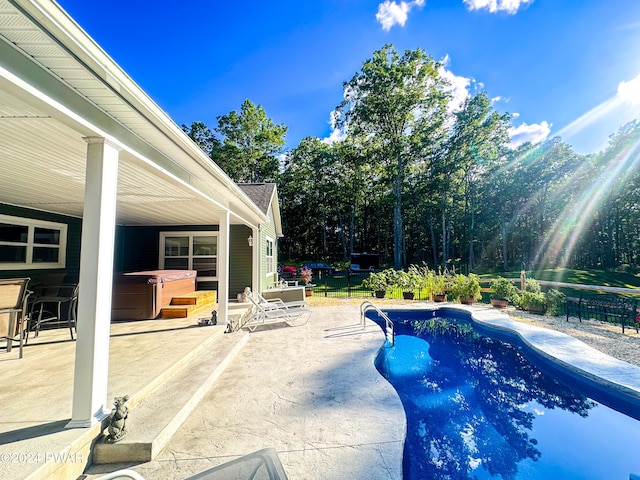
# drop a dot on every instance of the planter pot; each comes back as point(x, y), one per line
point(308, 292)
point(499, 302)
point(408, 295)
point(537, 309)
point(466, 300)
point(439, 297)
point(380, 293)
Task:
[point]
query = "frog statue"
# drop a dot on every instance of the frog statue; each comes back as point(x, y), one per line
point(117, 420)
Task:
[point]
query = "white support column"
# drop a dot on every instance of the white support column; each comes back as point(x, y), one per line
point(96, 276)
point(223, 268)
point(255, 259)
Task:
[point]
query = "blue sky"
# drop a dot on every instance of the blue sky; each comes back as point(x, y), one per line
point(567, 67)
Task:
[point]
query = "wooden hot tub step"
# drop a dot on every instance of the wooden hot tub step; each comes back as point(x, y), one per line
point(185, 305)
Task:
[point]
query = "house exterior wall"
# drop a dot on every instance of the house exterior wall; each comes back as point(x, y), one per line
point(138, 249)
point(74, 230)
point(240, 260)
point(268, 232)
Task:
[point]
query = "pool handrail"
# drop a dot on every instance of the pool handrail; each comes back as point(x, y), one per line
point(389, 330)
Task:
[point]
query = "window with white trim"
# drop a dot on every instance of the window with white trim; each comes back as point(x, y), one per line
point(190, 251)
point(269, 256)
point(26, 243)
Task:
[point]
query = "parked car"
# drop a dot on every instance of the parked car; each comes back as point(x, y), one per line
point(320, 267)
point(289, 269)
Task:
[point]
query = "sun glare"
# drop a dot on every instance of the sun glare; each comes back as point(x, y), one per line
point(629, 92)
point(575, 220)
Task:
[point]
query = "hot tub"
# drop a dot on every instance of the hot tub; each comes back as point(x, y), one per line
point(141, 295)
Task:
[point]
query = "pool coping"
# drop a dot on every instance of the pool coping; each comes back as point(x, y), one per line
point(593, 367)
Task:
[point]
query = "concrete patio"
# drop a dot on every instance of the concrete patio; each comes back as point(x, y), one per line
point(310, 392)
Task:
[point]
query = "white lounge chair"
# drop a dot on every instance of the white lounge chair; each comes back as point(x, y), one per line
point(269, 303)
point(274, 312)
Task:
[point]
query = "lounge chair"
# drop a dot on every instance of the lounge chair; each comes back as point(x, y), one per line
point(269, 303)
point(262, 313)
point(263, 464)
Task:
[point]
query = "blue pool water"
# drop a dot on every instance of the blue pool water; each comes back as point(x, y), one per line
point(477, 408)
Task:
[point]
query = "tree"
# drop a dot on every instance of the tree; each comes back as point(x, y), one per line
point(251, 143)
point(202, 135)
point(394, 104)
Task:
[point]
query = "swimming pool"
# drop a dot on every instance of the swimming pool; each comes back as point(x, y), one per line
point(480, 408)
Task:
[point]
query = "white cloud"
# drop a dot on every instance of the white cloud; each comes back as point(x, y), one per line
point(534, 133)
point(459, 86)
point(337, 134)
point(391, 13)
point(509, 6)
point(629, 92)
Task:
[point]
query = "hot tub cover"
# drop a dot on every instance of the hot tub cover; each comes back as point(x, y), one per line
point(163, 276)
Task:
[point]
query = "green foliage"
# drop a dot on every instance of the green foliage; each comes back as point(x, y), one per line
point(532, 301)
point(396, 107)
point(465, 286)
point(531, 285)
point(555, 301)
point(407, 281)
point(379, 281)
point(504, 289)
point(250, 144)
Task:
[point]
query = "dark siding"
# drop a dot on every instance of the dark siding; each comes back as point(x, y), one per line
point(74, 233)
point(239, 259)
point(137, 248)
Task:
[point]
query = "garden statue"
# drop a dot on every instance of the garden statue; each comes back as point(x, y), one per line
point(117, 420)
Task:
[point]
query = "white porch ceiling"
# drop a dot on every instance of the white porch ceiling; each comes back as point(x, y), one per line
point(43, 167)
point(58, 86)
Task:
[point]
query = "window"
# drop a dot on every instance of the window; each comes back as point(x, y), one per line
point(269, 256)
point(190, 251)
point(26, 243)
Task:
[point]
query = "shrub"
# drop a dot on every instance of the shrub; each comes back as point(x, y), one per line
point(407, 281)
point(377, 281)
point(532, 285)
point(555, 302)
point(504, 289)
point(466, 286)
point(532, 301)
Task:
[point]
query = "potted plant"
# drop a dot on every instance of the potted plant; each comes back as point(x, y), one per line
point(378, 282)
point(533, 302)
point(407, 281)
point(306, 275)
point(439, 292)
point(532, 299)
point(466, 288)
point(502, 291)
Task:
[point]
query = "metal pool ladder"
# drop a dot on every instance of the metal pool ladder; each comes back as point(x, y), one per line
point(389, 329)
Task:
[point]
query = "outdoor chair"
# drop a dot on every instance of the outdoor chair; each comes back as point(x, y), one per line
point(263, 464)
point(57, 296)
point(13, 303)
point(271, 302)
point(266, 312)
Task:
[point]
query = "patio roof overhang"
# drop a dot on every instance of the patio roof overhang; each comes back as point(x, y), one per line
point(58, 86)
point(69, 113)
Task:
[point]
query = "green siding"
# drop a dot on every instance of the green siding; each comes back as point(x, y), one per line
point(240, 259)
point(74, 233)
point(268, 230)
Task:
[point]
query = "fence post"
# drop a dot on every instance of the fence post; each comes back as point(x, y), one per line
point(326, 284)
point(349, 284)
point(523, 280)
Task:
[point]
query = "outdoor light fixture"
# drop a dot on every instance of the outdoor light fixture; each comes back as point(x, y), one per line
point(250, 240)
